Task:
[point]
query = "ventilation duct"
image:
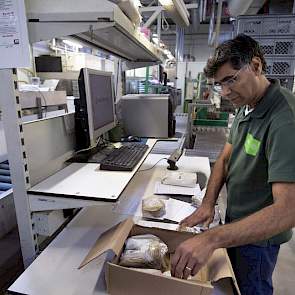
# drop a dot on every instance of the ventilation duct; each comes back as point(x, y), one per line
point(240, 7)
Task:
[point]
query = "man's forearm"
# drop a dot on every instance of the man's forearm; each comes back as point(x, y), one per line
point(216, 181)
point(262, 225)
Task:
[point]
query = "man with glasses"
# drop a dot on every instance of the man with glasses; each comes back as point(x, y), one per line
point(258, 167)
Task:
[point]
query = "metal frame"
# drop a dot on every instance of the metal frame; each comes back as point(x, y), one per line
point(12, 121)
point(47, 28)
point(153, 8)
point(153, 17)
point(61, 18)
point(45, 203)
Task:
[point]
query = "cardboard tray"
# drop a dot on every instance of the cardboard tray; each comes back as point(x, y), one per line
point(123, 280)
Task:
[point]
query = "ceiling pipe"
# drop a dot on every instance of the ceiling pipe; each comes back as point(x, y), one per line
point(218, 23)
point(204, 10)
point(195, 21)
point(238, 7)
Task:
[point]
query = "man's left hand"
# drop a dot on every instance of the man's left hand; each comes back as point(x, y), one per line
point(191, 255)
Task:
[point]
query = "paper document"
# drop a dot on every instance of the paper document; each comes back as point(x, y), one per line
point(175, 210)
point(166, 189)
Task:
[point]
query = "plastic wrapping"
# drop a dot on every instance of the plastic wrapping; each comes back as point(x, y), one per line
point(145, 251)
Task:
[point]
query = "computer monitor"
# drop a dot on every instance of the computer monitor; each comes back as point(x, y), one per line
point(95, 110)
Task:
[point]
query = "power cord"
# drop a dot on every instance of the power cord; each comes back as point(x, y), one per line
point(99, 141)
point(89, 148)
point(152, 166)
point(42, 96)
point(45, 103)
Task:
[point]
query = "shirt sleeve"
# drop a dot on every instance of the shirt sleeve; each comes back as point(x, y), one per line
point(230, 136)
point(280, 152)
point(232, 129)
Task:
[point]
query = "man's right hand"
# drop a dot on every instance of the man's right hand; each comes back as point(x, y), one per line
point(203, 215)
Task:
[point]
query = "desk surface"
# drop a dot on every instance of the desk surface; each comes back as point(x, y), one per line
point(86, 181)
point(55, 271)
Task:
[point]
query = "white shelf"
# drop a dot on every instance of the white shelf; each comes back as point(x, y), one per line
point(84, 181)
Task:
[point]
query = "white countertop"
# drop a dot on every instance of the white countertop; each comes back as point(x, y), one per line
point(55, 271)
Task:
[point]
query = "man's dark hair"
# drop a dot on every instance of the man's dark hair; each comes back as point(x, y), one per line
point(238, 52)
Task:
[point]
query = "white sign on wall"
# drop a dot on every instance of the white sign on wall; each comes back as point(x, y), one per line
point(14, 43)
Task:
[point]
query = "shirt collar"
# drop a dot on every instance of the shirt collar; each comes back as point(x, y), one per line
point(248, 110)
point(267, 100)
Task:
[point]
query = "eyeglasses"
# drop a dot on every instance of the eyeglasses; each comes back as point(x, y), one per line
point(218, 86)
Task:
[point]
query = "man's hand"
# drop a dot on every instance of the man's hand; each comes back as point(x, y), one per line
point(203, 215)
point(191, 255)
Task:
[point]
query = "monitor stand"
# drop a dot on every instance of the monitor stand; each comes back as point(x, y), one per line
point(94, 155)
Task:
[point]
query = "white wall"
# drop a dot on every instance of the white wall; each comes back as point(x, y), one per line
point(195, 68)
point(194, 45)
point(183, 69)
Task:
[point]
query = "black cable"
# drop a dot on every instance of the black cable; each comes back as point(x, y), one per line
point(44, 100)
point(117, 80)
point(99, 142)
point(152, 166)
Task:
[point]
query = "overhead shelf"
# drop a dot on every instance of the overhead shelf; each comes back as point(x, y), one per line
point(99, 23)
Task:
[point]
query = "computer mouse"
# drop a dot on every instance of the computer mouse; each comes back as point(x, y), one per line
point(133, 139)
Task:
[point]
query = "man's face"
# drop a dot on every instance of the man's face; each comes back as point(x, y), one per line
point(238, 86)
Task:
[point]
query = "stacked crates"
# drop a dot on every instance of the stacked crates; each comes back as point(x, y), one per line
point(214, 119)
point(276, 36)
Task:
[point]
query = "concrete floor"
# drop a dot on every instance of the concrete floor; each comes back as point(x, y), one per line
point(284, 274)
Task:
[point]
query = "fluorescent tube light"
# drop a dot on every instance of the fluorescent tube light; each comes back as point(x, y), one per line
point(72, 44)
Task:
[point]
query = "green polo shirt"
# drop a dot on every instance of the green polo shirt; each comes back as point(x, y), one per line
point(263, 152)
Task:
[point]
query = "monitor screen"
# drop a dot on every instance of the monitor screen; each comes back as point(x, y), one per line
point(95, 110)
point(101, 94)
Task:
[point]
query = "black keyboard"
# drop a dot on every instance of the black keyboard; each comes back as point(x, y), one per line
point(124, 158)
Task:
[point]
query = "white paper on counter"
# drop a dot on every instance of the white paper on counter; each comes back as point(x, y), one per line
point(175, 210)
point(165, 189)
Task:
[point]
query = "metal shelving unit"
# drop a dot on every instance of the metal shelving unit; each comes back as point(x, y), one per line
point(51, 19)
point(276, 36)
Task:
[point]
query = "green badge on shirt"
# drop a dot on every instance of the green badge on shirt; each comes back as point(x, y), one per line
point(251, 145)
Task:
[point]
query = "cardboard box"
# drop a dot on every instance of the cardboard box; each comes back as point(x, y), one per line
point(123, 280)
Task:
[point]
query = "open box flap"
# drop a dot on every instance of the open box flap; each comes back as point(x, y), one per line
point(219, 267)
point(113, 239)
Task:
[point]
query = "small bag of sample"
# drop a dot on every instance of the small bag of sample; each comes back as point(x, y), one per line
point(153, 205)
point(145, 251)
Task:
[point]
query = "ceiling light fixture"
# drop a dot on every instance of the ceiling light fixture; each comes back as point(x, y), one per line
point(72, 44)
